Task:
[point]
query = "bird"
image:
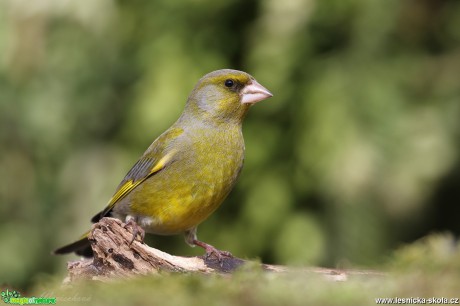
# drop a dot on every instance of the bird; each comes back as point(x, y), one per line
point(188, 171)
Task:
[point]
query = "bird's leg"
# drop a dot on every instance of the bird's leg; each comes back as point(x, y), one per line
point(212, 250)
point(192, 240)
point(137, 230)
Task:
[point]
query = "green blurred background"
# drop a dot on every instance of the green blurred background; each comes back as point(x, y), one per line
point(357, 152)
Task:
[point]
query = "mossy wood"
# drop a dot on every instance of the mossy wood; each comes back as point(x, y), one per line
point(114, 257)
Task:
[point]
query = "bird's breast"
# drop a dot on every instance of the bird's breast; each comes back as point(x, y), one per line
point(193, 186)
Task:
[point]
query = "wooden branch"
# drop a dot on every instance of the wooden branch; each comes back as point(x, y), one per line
point(114, 258)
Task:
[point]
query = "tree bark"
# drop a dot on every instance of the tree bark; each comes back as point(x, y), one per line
point(114, 257)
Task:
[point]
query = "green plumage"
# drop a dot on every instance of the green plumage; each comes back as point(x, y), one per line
point(188, 170)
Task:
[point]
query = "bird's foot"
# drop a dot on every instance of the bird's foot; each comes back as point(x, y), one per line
point(210, 251)
point(137, 230)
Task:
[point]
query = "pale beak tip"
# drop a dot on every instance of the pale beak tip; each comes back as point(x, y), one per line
point(254, 92)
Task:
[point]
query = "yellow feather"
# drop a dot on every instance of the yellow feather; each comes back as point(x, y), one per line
point(130, 185)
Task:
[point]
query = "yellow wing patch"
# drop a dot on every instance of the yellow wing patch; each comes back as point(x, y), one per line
point(130, 185)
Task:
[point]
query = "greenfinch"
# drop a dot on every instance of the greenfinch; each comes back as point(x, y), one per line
point(187, 172)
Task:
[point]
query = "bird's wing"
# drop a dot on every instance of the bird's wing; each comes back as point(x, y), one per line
point(149, 164)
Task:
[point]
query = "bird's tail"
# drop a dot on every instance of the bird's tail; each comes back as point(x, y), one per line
point(81, 247)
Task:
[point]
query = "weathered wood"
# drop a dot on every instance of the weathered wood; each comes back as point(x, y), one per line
point(115, 258)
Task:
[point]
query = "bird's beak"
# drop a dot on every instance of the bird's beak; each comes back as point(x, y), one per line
point(254, 92)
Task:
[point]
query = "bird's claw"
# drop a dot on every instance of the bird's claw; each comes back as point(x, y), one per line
point(210, 251)
point(137, 230)
point(217, 253)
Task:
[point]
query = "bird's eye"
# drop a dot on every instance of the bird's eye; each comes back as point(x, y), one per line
point(229, 83)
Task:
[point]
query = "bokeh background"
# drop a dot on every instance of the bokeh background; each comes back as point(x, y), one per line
point(357, 153)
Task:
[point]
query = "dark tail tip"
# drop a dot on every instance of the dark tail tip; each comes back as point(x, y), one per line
point(81, 247)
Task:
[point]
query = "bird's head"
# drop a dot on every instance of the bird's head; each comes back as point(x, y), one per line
point(225, 95)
